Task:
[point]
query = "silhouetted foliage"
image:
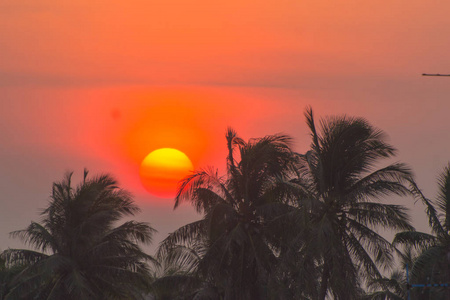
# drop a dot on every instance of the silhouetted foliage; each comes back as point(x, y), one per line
point(277, 225)
point(341, 188)
point(432, 266)
point(83, 253)
point(7, 274)
point(235, 256)
point(281, 225)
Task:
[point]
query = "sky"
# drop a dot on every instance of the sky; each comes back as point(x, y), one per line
point(100, 84)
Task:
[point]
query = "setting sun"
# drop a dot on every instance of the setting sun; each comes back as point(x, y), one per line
point(162, 169)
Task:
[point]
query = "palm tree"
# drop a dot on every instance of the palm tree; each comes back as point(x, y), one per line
point(433, 264)
point(393, 287)
point(81, 251)
point(340, 187)
point(236, 253)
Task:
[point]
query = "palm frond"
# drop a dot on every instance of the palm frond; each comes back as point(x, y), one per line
point(433, 218)
point(381, 215)
point(309, 115)
point(192, 187)
point(37, 236)
point(22, 257)
point(184, 235)
point(420, 240)
point(443, 199)
point(385, 181)
point(137, 232)
point(380, 249)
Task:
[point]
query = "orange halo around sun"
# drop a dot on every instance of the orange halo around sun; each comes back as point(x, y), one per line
point(162, 169)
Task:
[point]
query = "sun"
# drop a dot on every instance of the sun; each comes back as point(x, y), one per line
point(162, 169)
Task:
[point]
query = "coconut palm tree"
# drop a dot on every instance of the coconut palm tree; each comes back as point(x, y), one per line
point(393, 287)
point(340, 186)
point(432, 266)
point(81, 251)
point(236, 251)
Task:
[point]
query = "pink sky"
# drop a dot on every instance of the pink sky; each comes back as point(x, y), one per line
point(99, 85)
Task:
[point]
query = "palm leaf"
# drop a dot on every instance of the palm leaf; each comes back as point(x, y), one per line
point(420, 240)
point(443, 199)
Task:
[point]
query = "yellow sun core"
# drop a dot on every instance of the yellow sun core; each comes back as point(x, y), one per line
point(162, 169)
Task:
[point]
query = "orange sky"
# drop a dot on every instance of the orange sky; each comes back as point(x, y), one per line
point(101, 84)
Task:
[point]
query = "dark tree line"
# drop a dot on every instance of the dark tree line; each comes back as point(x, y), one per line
point(277, 225)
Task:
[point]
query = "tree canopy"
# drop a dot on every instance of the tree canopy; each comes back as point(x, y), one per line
point(80, 250)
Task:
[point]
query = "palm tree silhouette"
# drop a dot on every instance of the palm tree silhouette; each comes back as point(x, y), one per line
point(235, 254)
point(82, 252)
point(340, 186)
point(394, 286)
point(432, 266)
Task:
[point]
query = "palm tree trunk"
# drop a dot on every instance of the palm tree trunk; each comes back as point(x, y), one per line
point(324, 282)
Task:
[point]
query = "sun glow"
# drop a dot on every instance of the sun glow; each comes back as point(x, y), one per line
point(162, 169)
